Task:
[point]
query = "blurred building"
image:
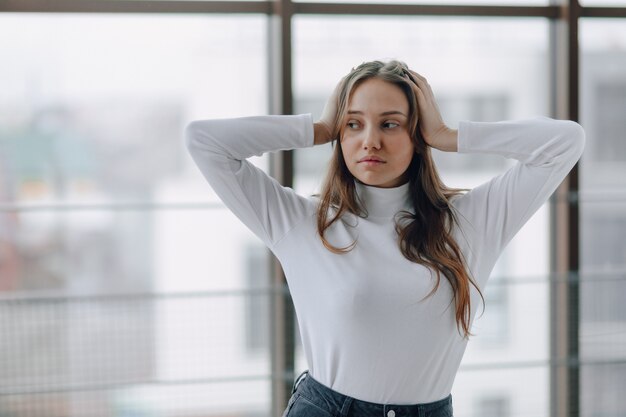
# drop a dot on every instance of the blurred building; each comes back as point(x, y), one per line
point(127, 289)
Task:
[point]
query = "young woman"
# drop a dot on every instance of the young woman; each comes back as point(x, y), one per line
point(382, 332)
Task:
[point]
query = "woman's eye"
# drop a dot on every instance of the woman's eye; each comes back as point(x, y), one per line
point(390, 125)
point(352, 125)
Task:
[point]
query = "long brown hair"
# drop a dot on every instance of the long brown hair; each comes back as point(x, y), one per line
point(424, 237)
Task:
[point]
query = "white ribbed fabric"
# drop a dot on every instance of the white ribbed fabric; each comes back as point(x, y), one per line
point(365, 332)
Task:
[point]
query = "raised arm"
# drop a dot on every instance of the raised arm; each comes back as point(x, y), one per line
point(220, 147)
point(546, 149)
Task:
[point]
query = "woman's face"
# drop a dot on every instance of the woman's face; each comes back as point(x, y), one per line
point(376, 144)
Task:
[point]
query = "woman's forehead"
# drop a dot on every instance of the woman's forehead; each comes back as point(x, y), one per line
point(376, 96)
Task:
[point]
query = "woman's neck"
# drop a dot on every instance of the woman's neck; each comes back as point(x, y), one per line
point(384, 202)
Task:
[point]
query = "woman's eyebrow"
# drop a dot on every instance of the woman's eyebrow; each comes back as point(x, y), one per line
point(385, 113)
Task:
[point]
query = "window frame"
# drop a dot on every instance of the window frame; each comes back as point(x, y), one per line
point(564, 46)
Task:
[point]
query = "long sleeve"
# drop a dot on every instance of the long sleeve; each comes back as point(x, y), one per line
point(546, 149)
point(220, 147)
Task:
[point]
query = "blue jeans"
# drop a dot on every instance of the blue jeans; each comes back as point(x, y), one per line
point(310, 398)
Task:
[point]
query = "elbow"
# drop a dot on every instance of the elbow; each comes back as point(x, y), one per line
point(576, 138)
point(200, 138)
point(566, 145)
point(192, 133)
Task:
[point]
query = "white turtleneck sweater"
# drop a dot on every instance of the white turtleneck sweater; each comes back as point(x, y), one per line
point(365, 332)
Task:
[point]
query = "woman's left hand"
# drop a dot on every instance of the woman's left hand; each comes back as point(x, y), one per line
point(433, 129)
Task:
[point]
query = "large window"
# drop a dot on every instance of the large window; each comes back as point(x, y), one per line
point(123, 278)
point(127, 289)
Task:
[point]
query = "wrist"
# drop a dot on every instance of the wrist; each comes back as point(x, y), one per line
point(451, 140)
point(445, 140)
point(321, 133)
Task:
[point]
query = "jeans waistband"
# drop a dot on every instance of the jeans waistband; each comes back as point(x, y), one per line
point(333, 401)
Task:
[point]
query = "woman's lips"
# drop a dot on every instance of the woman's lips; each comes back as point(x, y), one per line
point(371, 161)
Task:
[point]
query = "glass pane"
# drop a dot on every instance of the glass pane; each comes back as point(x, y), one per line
point(247, 398)
point(158, 318)
point(503, 392)
point(484, 70)
point(603, 100)
point(102, 251)
point(602, 392)
point(602, 309)
point(93, 106)
point(112, 244)
point(603, 217)
point(119, 331)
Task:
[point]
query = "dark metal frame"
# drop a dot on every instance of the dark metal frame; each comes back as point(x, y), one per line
point(564, 16)
point(564, 236)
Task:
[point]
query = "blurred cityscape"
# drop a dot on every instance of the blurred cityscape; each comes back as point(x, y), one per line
point(127, 289)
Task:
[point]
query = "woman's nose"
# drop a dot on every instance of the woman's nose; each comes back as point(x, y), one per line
point(371, 139)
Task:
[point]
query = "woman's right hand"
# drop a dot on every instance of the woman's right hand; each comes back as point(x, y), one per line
point(325, 126)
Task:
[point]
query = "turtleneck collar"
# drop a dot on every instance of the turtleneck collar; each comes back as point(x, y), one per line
point(384, 202)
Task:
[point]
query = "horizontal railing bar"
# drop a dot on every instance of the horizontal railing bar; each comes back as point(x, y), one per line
point(14, 391)
point(8, 207)
point(39, 297)
point(603, 12)
point(135, 6)
point(269, 7)
point(425, 10)
point(572, 362)
point(122, 384)
point(605, 196)
point(55, 297)
point(616, 195)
